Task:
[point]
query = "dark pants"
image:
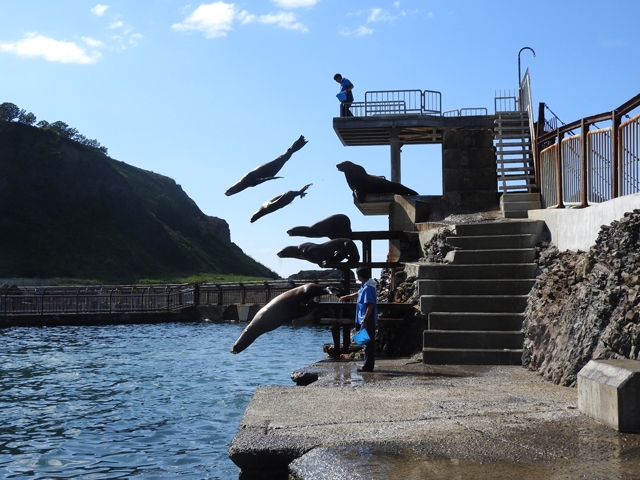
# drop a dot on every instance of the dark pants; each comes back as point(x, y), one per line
point(344, 109)
point(370, 349)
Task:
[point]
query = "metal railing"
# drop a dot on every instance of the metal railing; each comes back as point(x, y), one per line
point(142, 299)
point(466, 112)
point(592, 166)
point(398, 102)
point(83, 300)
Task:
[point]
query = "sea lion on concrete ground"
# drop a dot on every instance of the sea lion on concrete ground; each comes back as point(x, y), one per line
point(332, 251)
point(362, 184)
point(276, 203)
point(295, 303)
point(266, 171)
point(334, 226)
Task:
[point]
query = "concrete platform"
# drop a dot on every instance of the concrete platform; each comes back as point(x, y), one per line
point(408, 420)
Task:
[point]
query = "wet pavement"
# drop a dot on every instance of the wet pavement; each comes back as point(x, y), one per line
point(408, 421)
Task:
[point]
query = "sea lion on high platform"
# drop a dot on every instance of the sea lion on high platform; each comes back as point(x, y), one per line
point(295, 303)
point(334, 250)
point(276, 203)
point(334, 226)
point(362, 184)
point(266, 171)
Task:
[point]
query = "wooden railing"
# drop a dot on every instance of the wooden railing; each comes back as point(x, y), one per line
point(592, 166)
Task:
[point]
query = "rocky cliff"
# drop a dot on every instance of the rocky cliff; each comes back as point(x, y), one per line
point(68, 210)
point(585, 305)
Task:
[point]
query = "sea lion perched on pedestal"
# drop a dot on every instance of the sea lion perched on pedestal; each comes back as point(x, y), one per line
point(334, 250)
point(363, 184)
point(294, 303)
point(334, 226)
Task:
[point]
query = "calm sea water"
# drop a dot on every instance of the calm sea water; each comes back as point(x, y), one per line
point(150, 401)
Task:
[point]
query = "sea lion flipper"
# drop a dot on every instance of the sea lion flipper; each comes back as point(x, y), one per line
point(298, 144)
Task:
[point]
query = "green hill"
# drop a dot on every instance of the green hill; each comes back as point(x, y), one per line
point(67, 210)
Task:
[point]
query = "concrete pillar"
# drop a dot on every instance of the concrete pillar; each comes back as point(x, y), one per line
point(609, 391)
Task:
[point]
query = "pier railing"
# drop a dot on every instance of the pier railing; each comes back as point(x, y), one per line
point(141, 298)
point(592, 166)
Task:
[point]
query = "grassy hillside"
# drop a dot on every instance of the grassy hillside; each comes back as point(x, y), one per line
point(67, 210)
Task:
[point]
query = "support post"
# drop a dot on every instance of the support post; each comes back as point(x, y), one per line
point(394, 141)
point(615, 155)
point(559, 170)
point(584, 202)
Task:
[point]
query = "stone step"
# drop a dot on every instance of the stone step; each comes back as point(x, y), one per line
point(493, 242)
point(449, 356)
point(473, 303)
point(440, 271)
point(510, 255)
point(510, 286)
point(515, 214)
point(520, 206)
point(500, 227)
point(473, 339)
point(519, 197)
point(475, 321)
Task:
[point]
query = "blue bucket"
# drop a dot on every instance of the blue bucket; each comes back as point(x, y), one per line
point(342, 96)
point(361, 337)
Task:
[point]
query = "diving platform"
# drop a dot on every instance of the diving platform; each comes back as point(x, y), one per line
point(403, 129)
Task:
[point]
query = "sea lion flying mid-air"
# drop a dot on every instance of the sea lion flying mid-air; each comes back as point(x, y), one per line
point(276, 203)
point(266, 171)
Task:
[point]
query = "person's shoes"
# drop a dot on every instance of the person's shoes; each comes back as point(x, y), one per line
point(360, 370)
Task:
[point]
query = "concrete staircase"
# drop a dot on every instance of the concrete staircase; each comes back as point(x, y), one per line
point(475, 304)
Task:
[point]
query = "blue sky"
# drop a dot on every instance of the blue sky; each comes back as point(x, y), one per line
point(204, 92)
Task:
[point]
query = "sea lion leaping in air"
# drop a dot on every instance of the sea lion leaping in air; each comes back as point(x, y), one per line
point(334, 226)
point(266, 171)
point(294, 303)
point(276, 203)
point(362, 184)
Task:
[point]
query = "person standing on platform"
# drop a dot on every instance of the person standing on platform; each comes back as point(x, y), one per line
point(366, 314)
point(345, 86)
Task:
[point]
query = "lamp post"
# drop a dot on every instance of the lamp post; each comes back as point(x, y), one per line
point(519, 76)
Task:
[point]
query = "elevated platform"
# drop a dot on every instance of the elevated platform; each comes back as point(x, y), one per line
point(409, 129)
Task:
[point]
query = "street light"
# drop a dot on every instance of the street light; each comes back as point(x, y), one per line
point(519, 76)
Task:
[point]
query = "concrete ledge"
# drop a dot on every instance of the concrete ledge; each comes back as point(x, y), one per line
point(609, 391)
point(577, 229)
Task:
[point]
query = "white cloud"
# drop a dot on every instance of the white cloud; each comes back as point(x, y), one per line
point(216, 19)
point(295, 3)
point(99, 9)
point(116, 24)
point(396, 4)
point(213, 19)
point(379, 15)
point(133, 39)
point(358, 32)
point(49, 49)
point(92, 42)
point(283, 20)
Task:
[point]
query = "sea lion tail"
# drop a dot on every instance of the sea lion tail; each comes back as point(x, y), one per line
point(303, 190)
point(298, 144)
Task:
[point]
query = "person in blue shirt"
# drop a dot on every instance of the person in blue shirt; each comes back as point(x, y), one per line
point(366, 314)
point(345, 86)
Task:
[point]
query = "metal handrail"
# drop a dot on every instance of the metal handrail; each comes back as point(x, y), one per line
point(607, 160)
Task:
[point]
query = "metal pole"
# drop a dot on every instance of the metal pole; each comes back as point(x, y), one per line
point(520, 77)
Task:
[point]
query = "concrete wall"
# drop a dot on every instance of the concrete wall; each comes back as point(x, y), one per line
point(577, 228)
